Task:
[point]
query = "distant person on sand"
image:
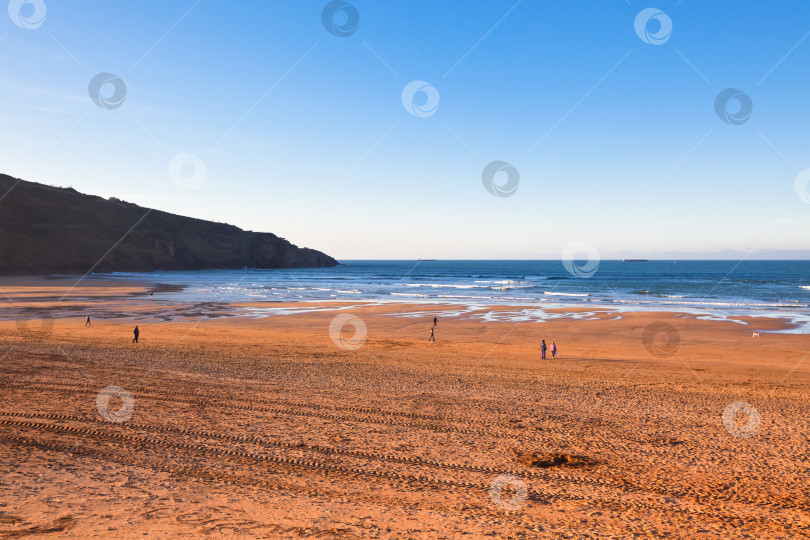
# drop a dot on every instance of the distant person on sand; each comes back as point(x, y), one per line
point(553, 350)
point(87, 321)
point(150, 296)
point(432, 337)
point(137, 333)
point(543, 350)
point(435, 321)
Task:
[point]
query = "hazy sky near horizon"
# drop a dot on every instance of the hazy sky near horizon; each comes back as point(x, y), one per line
point(256, 114)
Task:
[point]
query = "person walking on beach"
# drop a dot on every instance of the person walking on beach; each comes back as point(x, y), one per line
point(87, 321)
point(137, 333)
point(543, 350)
point(435, 322)
point(553, 350)
point(432, 337)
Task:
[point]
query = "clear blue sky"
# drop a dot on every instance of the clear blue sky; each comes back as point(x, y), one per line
point(303, 133)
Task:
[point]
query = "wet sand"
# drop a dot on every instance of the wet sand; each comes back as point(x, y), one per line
point(652, 424)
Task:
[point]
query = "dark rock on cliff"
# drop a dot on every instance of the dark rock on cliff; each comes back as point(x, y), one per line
point(45, 230)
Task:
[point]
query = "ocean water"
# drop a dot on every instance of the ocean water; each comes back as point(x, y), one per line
point(721, 289)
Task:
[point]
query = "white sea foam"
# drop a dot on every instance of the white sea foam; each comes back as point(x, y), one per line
point(443, 286)
point(322, 289)
point(500, 281)
point(500, 285)
point(713, 304)
point(464, 297)
point(773, 296)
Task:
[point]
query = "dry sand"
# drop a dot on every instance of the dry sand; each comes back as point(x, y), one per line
point(251, 427)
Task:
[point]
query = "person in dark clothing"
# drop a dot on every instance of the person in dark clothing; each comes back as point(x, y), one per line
point(435, 321)
point(87, 321)
point(543, 350)
point(432, 337)
point(138, 332)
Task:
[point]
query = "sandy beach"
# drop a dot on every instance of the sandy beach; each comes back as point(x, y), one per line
point(403, 270)
point(346, 422)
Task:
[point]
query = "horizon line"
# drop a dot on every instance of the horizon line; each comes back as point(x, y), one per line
point(584, 259)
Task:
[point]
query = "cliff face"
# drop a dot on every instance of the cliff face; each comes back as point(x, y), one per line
point(45, 230)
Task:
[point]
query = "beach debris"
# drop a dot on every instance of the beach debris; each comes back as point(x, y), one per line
point(547, 460)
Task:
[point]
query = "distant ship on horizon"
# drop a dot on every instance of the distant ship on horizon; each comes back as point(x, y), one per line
point(634, 260)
